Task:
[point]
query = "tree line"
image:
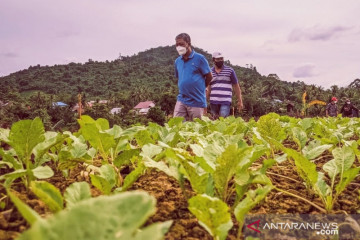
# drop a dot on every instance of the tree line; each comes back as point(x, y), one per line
point(148, 75)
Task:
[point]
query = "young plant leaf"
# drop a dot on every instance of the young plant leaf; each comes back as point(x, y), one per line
point(93, 131)
point(49, 194)
point(143, 137)
point(44, 147)
point(155, 231)
point(76, 192)
point(42, 172)
point(9, 158)
point(119, 216)
point(132, 177)
point(305, 168)
point(30, 215)
point(126, 156)
point(316, 151)
point(348, 176)
point(4, 135)
point(252, 198)
point(106, 180)
point(299, 137)
point(213, 214)
point(161, 166)
point(201, 181)
point(226, 167)
point(343, 159)
point(150, 150)
point(24, 136)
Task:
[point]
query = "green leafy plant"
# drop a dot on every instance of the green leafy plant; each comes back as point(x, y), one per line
point(49, 194)
point(76, 192)
point(213, 214)
point(269, 128)
point(113, 145)
point(341, 167)
point(253, 197)
point(226, 166)
point(119, 216)
point(29, 144)
point(104, 178)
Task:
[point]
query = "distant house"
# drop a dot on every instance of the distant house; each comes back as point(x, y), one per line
point(115, 110)
point(143, 107)
point(91, 103)
point(76, 108)
point(103, 101)
point(59, 104)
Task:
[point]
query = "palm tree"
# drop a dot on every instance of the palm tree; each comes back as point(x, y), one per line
point(355, 84)
point(334, 90)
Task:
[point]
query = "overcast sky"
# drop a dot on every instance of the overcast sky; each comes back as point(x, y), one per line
point(315, 41)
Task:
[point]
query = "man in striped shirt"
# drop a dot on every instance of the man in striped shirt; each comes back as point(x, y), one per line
point(220, 89)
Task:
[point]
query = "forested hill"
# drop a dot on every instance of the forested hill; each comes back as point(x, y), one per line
point(149, 70)
point(147, 75)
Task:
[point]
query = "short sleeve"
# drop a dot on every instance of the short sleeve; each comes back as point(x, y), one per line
point(204, 66)
point(176, 72)
point(233, 77)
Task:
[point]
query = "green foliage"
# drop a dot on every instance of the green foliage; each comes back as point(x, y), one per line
point(213, 214)
point(299, 136)
point(49, 194)
point(28, 139)
point(253, 197)
point(315, 149)
point(156, 115)
point(127, 80)
point(94, 132)
point(132, 177)
point(30, 215)
point(227, 158)
point(106, 180)
point(76, 192)
point(270, 127)
point(305, 168)
point(24, 136)
point(341, 165)
point(226, 166)
point(115, 217)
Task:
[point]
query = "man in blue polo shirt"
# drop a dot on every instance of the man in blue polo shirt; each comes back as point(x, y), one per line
point(220, 89)
point(194, 75)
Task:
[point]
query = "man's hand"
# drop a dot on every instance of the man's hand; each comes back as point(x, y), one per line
point(240, 106)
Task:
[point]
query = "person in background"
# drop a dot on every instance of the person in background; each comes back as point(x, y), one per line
point(355, 113)
point(348, 108)
point(290, 108)
point(331, 108)
point(193, 73)
point(219, 91)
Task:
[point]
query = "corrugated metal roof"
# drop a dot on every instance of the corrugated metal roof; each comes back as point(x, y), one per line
point(146, 104)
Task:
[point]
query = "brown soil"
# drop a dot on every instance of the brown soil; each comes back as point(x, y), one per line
point(171, 205)
point(11, 221)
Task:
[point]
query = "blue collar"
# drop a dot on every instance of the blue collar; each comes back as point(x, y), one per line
point(191, 54)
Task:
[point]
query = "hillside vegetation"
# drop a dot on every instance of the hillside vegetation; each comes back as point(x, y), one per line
point(148, 75)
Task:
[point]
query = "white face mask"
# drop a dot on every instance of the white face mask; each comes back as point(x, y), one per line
point(181, 50)
point(348, 102)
